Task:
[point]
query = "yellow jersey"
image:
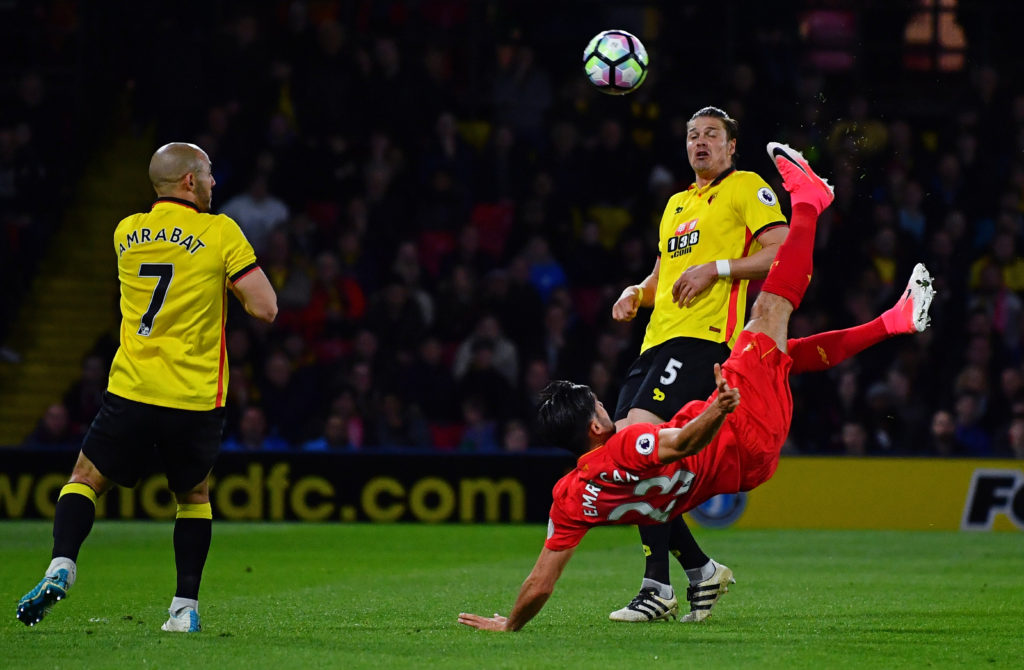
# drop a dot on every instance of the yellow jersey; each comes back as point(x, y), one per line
point(174, 263)
point(700, 225)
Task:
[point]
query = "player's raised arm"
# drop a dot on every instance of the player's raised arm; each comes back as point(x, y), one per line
point(257, 295)
point(677, 443)
point(534, 593)
point(637, 295)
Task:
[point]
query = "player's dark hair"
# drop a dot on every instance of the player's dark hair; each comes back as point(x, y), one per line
point(564, 415)
point(732, 126)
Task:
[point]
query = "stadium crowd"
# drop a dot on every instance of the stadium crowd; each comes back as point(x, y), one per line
point(448, 211)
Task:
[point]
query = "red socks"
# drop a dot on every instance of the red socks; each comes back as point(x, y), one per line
point(825, 350)
point(790, 274)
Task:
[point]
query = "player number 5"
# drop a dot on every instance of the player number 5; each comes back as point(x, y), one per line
point(671, 371)
point(164, 272)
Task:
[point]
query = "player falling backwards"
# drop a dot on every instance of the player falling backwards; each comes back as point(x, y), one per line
point(647, 474)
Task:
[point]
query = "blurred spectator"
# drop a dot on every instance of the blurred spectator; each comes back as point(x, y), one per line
point(365, 399)
point(521, 92)
point(286, 398)
point(515, 438)
point(252, 434)
point(85, 396)
point(535, 377)
point(480, 432)
point(546, 274)
point(501, 166)
point(505, 356)
point(600, 382)
point(510, 296)
point(335, 436)
point(344, 407)
point(395, 317)
point(447, 151)
point(428, 383)
point(858, 132)
point(257, 212)
point(612, 163)
point(443, 203)
point(1002, 255)
point(968, 415)
point(53, 430)
point(336, 302)
point(558, 342)
point(406, 267)
point(1001, 305)
point(399, 425)
point(910, 216)
point(1008, 398)
point(943, 439)
point(289, 276)
point(483, 383)
point(1015, 438)
point(458, 304)
point(353, 259)
point(854, 439)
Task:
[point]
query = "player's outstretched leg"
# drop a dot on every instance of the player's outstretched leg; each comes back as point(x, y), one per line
point(54, 587)
point(910, 313)
point(908, 316)
point(790, 273)
point(704, 594)
point(799, 179)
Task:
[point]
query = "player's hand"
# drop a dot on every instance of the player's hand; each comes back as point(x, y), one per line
point(728, 397)
point(694, 281)
point(626, 306)
point(496, 622)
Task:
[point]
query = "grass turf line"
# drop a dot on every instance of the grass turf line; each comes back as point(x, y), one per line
point(383, 596)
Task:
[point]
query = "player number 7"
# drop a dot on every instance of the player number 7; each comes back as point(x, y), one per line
point(164, 273)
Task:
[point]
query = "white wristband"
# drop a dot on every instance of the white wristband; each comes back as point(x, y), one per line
point(724, 268)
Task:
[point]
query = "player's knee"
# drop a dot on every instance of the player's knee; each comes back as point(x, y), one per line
point(198, 495)
point(771, 308)
point(87, 474)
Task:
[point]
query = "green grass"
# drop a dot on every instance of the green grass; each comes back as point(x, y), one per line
point(387, 596)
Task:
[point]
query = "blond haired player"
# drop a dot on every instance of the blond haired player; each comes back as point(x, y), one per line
point(714, 237)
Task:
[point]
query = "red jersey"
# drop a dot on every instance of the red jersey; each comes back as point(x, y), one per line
point(623, 482)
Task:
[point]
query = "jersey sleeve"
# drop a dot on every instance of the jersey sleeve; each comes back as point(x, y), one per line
point(239, 256)
point(564, 533)
point(635, 448)
point(758, 205)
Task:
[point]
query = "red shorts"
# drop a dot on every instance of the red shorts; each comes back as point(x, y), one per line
point(759, 426)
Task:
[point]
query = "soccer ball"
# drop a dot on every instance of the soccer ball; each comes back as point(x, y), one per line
point(615, 62)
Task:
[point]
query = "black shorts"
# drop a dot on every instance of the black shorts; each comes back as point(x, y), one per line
point(669, 375)
point(128, 439)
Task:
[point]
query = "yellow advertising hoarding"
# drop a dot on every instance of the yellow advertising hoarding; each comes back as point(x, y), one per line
point(886, 493)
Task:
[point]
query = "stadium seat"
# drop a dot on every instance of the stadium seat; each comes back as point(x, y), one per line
point(493, 221)
point(434, 245)
point(446, 436)
point(587, 301)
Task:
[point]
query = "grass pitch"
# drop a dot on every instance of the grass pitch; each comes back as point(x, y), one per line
point(387, 596)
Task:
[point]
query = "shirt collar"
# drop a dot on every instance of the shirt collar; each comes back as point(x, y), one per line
point(176, 201)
